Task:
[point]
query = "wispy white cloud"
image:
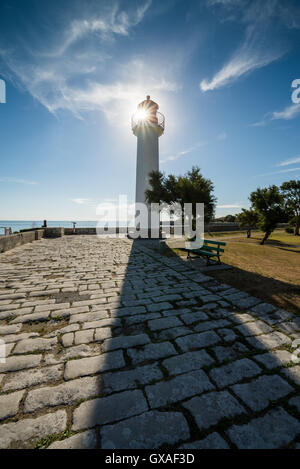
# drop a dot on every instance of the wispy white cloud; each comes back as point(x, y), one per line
point(17, 181)
point(260, 46)
point(249, 57)
point(230, 206)
point(289, 161)
point(288, 113)
point(183, 153)
point(69, 73)
point(81, 201)
point(282, 171)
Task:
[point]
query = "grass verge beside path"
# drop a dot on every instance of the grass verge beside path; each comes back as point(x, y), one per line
point(270, 272)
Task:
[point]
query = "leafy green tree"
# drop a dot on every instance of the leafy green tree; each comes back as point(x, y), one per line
point(291, 193)
point(230, 218)
point(247, 219)
point(190, 188)
point(268, 203)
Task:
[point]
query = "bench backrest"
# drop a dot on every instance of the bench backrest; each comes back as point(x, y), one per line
point(207, 245)
point(213, 246)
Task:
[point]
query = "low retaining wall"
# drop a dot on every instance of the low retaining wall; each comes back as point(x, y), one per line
point(12, 241)
point(54, 232)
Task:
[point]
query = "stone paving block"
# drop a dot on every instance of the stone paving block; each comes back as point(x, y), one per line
point(293, 373)
point(9, 404)
point(246, 303)
point(175, 312)
point(272, 431)
point(212, 441)
point(295, 401)
point(234, 372)
point(84, 440)
point(33, 429)
point(35, 345)
point(63, 330)
point(42, 316)
point(269, 341)
point(125, 342)
point(212, 407)
point(111, 322)
point(254, 328)
point(290, 328)
point(151, 352)
point(159, 307)
point(259, 393)
point(84, 317)
point(209, 325)
point(209, 306)
point(227, 335)
point(133, 310)
point(92, 365)
point(163, 298)
point(20, 363)
point(187, 362)
point(242, 318)
point(67, 339)
point(194, 341)
point(139, 318)
point(147, 431)
point(169, 334)
point(77, 351)
point(5, 330)
point(102, 333)
point(263, 308)
point(84, 337)
point(109, 409)
point(51, 307)
point(32, 377)
point(275, 359)
point(62, 394)
point(164, 323)
point(230, 352)
point(191, 317)
point(220, 313)
point(12, 338)
point(178, 388)
point(123, 380)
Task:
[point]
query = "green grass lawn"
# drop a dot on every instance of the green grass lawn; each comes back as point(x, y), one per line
point(270, 272)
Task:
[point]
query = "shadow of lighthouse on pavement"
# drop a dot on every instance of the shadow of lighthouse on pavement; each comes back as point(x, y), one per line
point(186, 362)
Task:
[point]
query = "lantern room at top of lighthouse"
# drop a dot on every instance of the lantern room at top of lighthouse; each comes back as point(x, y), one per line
point(147, 115)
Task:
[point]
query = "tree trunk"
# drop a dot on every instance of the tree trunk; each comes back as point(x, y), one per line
point(297, 228)
point(248, 233)
point(267, 234)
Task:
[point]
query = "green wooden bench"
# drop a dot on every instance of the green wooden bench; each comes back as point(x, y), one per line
point(209, 250)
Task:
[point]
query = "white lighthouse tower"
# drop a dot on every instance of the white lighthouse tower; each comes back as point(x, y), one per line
point(147, 125)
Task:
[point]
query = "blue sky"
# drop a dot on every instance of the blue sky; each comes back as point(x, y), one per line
point(221, 71)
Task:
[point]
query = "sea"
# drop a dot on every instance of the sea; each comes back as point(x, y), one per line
point(17, 225)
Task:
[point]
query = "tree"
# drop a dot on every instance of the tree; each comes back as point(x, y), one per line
point(291, 193)
point(190, 188)
point(230, 218)
point(247, 219)
point(268, 203)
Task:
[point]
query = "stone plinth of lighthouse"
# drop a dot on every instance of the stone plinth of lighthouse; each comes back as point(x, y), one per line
point(147, 125)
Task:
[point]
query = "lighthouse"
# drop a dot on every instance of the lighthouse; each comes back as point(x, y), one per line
point(147, 125)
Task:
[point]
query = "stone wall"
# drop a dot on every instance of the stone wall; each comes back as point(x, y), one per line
point(12, 241)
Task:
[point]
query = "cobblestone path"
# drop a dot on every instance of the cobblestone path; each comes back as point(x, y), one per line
point(110, 345)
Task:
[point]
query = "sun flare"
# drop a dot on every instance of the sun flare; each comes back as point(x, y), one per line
point(141, 115)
